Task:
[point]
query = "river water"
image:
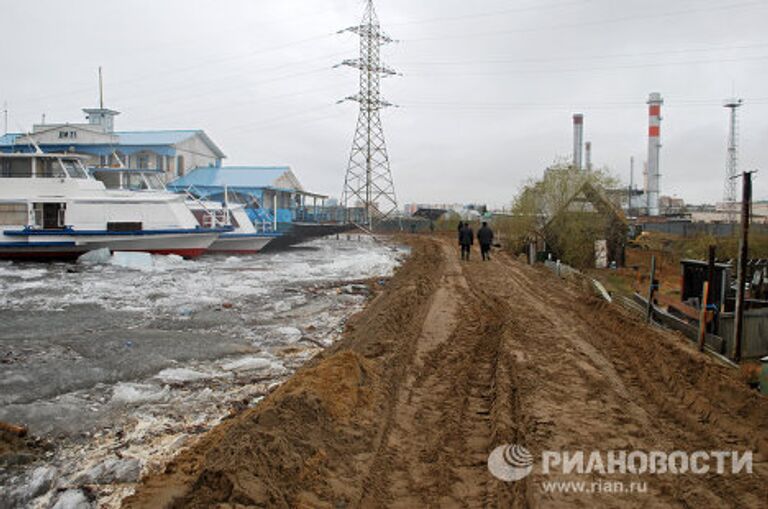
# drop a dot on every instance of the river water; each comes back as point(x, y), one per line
point(129, 358)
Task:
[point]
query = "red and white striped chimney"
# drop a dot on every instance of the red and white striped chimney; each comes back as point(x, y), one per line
point(654, 147)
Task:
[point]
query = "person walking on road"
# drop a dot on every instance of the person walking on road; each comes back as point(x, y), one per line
point(485, 239)
point(466, 239)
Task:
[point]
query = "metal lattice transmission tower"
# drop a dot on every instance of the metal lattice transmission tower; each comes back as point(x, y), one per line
point(732, 161)
point(368, 182)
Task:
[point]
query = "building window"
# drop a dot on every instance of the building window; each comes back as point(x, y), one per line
point(159, 163)
point(67, 135)
point(142, 162)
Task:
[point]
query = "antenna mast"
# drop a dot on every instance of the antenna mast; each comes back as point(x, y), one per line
point(101, 90)
point(368, 181)
point(5, 117)
point(732, 161)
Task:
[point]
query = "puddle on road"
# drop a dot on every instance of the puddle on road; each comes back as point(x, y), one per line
point(112, 365)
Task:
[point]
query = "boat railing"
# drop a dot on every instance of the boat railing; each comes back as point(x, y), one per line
point(212, 218)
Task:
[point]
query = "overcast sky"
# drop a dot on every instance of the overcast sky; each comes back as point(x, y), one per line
point(486, 96)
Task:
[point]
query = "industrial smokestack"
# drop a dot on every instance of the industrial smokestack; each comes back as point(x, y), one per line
point(654, 146)
point(578, 139)
point(588, 155)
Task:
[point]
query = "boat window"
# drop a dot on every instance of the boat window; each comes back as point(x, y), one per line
point(135, 182)
point(49, 168)
point(75, 170)
point(14, 214)
point(16, 168)
point(50, 216)
point(110, 179)
point(124, 226)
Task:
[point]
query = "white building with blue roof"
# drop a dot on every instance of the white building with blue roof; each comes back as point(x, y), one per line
point(272, 194)
point(174, 152)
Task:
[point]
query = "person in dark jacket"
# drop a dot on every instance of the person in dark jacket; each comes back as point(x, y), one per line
point(485, 239)
point(466, 239)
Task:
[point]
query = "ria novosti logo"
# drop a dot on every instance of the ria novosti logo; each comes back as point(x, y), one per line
point(510, 462)
point(515, 462)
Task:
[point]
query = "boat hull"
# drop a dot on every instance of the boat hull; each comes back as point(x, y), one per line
point(41, 251)
point(240, 243)
point(186, 245)
point(69, 244)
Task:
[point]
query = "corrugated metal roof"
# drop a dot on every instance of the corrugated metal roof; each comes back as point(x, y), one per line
point(155, 137)
point(233, 177)
point(144, 138)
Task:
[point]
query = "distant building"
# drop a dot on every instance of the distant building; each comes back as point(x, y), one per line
point(729, 212)
point(669, 206)
point(172, 151)
point(468, 212)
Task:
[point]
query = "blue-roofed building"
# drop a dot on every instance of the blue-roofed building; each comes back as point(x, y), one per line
point(172, 151)
point(273, 194)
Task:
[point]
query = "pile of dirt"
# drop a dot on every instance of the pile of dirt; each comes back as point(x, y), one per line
point(307, 442)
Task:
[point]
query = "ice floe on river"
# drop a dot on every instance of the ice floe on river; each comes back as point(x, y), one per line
point(119, 362)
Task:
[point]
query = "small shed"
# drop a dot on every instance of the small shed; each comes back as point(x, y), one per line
point(587, 229)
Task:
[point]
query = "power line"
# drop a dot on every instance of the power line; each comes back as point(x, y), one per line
point(534, 8)
point(570, 106)
point(200, 63)
point(585, 57)
point(252, 101)
point(584, 24)
point(518, 71)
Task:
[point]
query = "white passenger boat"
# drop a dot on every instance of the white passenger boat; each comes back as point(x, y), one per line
point(242, 238)
point(51, 208)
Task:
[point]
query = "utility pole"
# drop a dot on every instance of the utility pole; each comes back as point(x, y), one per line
point(746, 204)
point(631, 184)
point(652, 287)
point(368, 180)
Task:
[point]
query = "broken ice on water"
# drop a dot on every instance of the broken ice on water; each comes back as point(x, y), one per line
point(119, 360)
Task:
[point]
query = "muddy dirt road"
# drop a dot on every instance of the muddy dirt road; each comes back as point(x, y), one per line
point(454, 359)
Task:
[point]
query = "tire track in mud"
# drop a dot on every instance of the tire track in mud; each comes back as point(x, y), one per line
point(447, 414)
point(655, 392)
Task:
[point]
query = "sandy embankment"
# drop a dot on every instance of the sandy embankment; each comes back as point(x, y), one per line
point(452, 360)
